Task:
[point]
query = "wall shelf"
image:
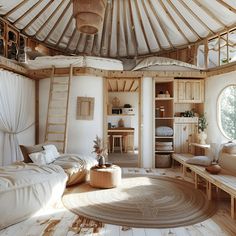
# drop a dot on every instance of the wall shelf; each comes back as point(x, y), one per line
point(121, 115)
point(171, 137)
point(164, 118)
point(164, 151)
point(163, 99)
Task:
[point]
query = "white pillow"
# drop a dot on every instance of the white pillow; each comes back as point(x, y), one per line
point(54, 151)
point(199, 160)
point(38, 158)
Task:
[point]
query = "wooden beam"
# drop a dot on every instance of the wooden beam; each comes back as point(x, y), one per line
point(124, 85)
point(78, 43)
point(27, 12)
point(214, 17)
point(21, 3)
point(152, 25)
point(163, 28)
point(135, 39)
point(118, 30)
point(196, 16)
point(105, 23)
point(126, 41)
point(11, 66)
point(45, 73)
point(132, 83)
point(226, 5)
point(110, 30)
point(49, 18)
point(184, 20)
point(223, 69)
point(36, 112)
point(142, 26)
point(58, 21)
point(37, 15)
point(65, 30)
point(71, 38)
point(174, 22)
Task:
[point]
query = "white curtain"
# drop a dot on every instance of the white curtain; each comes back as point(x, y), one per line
point(16, 105)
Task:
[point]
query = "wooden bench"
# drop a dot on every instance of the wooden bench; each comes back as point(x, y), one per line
point(226, 180)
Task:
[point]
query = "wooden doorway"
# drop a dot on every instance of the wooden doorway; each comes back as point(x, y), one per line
point(122, 120)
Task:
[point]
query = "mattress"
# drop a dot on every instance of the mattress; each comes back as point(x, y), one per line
point(26, 188)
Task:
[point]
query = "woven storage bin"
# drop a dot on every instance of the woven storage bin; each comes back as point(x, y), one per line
point(163, 160)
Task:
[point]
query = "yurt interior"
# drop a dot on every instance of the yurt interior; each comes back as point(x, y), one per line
point(117, 117)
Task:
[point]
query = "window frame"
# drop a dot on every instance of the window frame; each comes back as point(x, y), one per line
point(219, 123)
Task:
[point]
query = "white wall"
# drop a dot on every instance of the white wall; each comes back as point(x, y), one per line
point(147, 126)
point(213, 87)
point(81, 133)
point(129, 121)
point(27, 137)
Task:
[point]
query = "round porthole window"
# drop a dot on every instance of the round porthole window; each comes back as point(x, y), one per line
point(227, 111)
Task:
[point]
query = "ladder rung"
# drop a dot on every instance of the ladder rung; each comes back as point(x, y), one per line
point(56, 123)
point(63, 91)
point(56, 132)
point(58, 116)
point(55, 141)
point(56, 107)
point(58, 99)
point(60, 83)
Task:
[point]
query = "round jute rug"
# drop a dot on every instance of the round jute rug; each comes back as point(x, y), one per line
point(142, 202)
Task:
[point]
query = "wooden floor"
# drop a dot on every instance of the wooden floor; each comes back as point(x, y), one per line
point(129, 159)
point(58, 221)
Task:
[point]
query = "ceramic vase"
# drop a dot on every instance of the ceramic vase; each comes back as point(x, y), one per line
point(214, 168)
point(202, 137)
point(101, 161)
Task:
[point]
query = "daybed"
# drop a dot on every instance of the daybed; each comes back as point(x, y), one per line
point(26, 188)
point(75, 166)
point(225, 180)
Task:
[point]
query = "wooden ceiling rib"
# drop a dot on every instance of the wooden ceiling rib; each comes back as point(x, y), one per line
point(160, 23)
point(37, 15)
point(58, 21)
point(49, 18)
point(151, 24)
point(122, 85)
point(174, 22)
point(131, 28)
point(28, 11)
point(21, 3)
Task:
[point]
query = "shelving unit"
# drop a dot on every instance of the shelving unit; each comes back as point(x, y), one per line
point(164, 116)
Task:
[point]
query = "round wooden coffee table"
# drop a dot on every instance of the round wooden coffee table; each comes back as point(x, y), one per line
point(108, 177)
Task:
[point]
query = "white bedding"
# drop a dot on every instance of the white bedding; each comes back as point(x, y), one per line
point(26, 188)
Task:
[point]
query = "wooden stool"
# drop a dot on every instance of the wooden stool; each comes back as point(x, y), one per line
point(116, 138)
point(108, 143)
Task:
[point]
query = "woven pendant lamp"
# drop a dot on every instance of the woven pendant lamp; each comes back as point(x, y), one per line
point(89, 15)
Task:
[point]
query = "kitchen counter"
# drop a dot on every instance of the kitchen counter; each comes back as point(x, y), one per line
point(121, 129)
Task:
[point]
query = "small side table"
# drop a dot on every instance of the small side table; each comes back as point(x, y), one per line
point(108, 177)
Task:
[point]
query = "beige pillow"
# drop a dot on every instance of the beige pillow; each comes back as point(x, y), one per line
point(229, 148)
point(26, 150)
point(199, 160)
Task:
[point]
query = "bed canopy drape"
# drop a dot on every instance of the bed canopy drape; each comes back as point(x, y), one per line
point(16, 103)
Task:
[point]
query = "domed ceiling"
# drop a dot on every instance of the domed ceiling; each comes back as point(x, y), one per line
point(131, 28)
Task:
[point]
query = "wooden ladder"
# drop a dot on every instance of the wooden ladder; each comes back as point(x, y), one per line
point(57, 114)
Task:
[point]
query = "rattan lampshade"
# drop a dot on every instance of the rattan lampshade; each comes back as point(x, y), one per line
point(89, 15)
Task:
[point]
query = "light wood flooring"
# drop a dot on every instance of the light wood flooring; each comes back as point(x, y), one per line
point(58, 221)
point(129, 159)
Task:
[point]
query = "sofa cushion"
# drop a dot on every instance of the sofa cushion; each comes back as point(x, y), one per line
point(26, 150)
point(199, 160)
point(229, 148)
point(228, 161)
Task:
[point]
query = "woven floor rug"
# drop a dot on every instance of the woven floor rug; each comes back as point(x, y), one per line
point(147, 202)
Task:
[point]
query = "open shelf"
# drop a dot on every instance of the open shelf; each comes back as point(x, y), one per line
point(164, 118)
point(121, 115)
point(162, 151)
point(166, 137)
point(164, 99)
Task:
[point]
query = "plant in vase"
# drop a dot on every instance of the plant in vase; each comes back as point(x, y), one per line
point(100, 151)
point(202, 125)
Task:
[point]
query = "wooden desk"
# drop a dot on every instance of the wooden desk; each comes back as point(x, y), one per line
point(128, 136)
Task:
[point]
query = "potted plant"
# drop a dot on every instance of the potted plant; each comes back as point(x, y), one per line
point(100, 151)
point(202, 125)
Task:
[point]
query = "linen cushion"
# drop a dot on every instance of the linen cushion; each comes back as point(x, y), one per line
point(229, 148)
point(26, 150)
point(199, 160)
point(53, 151)
point(164, 131)
point(42, 158)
